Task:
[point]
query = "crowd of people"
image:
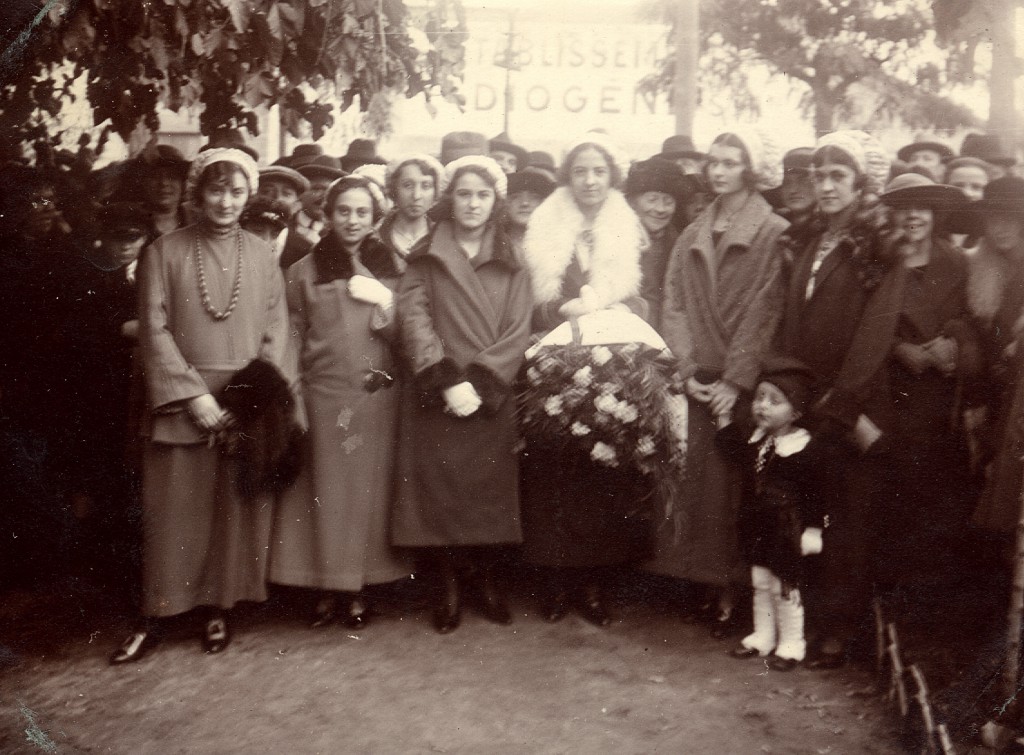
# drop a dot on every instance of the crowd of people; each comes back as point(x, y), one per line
point(219, 376)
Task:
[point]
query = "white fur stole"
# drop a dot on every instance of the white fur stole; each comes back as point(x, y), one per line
point(619, 240)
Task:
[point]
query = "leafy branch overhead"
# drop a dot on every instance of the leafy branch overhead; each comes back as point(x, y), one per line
point(853, 60)
point(231, 56)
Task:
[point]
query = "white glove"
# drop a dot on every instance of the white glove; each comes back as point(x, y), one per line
point(584, 304)
point(810, 542)
point(370, 291)
point(462, 399)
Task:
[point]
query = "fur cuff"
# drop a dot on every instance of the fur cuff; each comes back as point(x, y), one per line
point(432, 381)
point(492, 389)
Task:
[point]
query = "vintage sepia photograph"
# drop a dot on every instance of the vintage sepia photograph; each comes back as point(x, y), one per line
point(512, 376)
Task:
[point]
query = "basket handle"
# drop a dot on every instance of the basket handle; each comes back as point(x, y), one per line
point(577, 334)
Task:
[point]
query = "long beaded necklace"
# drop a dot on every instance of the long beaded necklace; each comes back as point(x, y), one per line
point(236, 289)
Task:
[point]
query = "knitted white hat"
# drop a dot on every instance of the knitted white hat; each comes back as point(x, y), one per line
point(602, 140)
point(208, 157)
point(765, 156)
point(440, 177)
point(487, 164)
point(865, 151)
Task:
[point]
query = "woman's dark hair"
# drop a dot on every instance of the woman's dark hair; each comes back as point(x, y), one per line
point(729, 139)
point(565, 169)
point(444, 207)
point(348, 183)
point(391, 187)
point(833, 155)
point(219, 172)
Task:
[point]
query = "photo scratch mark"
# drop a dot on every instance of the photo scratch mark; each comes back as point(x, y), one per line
point(34, 733)
point(14, 52)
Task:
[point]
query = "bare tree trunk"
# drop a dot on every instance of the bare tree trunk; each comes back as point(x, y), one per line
point(824, 112)
point(1002, 112)
point(684, 86)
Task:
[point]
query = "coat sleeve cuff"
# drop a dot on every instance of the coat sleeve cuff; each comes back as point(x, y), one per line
point(492, 389)
point(431, 381)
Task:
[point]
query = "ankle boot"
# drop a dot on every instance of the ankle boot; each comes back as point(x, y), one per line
point(448, 602)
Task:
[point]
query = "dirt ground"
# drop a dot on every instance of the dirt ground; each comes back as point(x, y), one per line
point(648, 684)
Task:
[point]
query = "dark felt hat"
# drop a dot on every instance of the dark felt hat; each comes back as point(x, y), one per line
point(164, 156)
point(797, 160)
point(944, 152)
point(461, 143)
point(531, 179)
point(361, 152)
point(1003, 195)
point(289, 175)
point(655, 174)
point(267, 212)
point(918, 190)
point(324, 165)
point(987, 147)
point(679, 146)
point(231, 138)
point(124, 220)
point(542, 160)
point(303, 154)
point(503, 143)
point(791, 376)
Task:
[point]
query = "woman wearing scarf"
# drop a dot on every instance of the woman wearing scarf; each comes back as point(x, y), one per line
point(464, 307)
point(722, 299)
point(583, 247)
point(331, 529)
point(211, 301)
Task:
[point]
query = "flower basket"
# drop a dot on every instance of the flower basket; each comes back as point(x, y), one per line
point(619, 401)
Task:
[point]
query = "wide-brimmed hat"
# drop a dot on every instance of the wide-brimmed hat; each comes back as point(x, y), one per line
point(907, 151)
point(679, 146)
point(164, 156)
point(302, 154)
point(914, 189)
point(462, 143)
point(124, 220)
point(655, 174)
point(286, 174)
point(987, 147)
point(543, 161)
point(503, 143)
point(361, 152)
point(531, 179)
point(1003, 195)
point(321, 166)
point(968, 162)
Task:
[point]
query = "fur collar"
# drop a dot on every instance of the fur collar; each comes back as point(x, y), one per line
point(619, 240)
point(990, 272)
point(333, 262)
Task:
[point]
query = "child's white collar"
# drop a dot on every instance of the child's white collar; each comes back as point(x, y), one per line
point(785, 445)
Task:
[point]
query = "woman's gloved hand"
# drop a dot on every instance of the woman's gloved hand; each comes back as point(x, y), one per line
point(369, 290)
point(462, 399)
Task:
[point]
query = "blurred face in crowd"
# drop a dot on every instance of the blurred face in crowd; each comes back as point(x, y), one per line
point(773, 412)
point(277, 190)
point(521, 206)
point(163, 187)
point(222, 200)
point(1003, 230)
point(351, 217)
point(835, 187)
point(313, 200)
point(506, 161)
point(798, 191)
point(725, 169)
point(930, 160)
point(917, 223)
point(123, 246)
point(691, 166)
point(655, 209)
point(473, 201)
point(415, 192)
point(971, 180)
point(41, 213)
point(590, 178)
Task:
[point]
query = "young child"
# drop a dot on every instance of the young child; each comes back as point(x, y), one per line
point(781, 517)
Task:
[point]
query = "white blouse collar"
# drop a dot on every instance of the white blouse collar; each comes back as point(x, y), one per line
point(786, 445)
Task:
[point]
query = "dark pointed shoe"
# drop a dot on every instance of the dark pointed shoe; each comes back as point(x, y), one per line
point(326, 613)
point(743, 652)
point(216, 635)
point(782, 664)
point(134, 648)
point(357, 616)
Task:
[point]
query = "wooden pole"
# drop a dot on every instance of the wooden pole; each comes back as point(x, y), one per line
point(1002, 119)
point(684, 86)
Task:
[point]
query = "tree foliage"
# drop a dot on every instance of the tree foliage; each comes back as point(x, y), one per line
point(833, 50)
point(230, 56)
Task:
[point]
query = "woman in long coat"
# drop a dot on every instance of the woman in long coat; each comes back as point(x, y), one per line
point(464, 308)
point(722, 301)
point(211, 301)
point(331, 530)
point(583, 247)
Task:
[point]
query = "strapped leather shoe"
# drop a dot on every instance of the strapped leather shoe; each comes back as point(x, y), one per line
point(134, 648)
point(216, 635)
point(743, 652)
point(775, 663)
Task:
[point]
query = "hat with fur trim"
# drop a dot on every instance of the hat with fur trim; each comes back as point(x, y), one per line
point(485, 163)
point(655, 174)
point(865, 151)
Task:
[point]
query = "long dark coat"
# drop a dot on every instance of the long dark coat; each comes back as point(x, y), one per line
point(460, 319)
